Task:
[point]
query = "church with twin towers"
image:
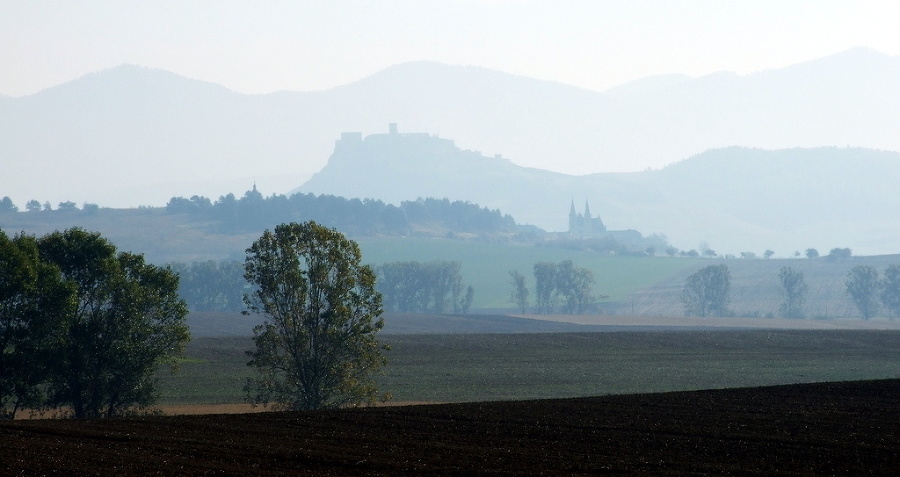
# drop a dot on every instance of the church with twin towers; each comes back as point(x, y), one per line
point(583, 224)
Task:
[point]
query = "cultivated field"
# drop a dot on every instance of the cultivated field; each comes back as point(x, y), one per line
point(503, 366)
point(496, 417)
point(814, 429)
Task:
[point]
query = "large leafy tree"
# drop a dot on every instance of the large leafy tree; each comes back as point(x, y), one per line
point(793, 292)
point(706, 292)
point(318, 347)
point(863, 286)
point(126, 320)
point(32, 298)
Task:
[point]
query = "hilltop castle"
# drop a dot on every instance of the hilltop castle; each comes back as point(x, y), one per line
point(583, 225)
point(352, 140)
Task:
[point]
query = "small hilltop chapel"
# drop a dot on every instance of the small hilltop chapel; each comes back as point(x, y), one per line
point(583, 225)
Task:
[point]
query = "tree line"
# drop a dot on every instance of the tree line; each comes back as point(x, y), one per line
point(561, 287)
point(707, 291)
point(424, 287)
point(211, 285)
point(407, 287)
point(253, 211)
point(7, 206)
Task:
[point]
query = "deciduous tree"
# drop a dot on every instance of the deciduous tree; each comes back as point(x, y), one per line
point(575, 286)
point(424, 287)
point(793, 292)
point(706, 292)
point(317, 347)
point(7, 206)
point(32, 300)
point(127, 319)
point(863, 287)
point(519, 295)
point(839, 254)
point(545, 286)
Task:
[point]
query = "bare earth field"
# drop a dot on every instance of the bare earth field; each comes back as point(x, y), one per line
point(849, 428)
point(195, 409)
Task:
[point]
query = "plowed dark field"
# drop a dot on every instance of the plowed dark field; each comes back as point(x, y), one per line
point(850, 428)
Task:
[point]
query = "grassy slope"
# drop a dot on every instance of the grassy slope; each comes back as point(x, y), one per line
point(444, 368)
point(755, 289)
point(486, 266)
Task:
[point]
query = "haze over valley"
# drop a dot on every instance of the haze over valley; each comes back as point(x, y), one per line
point(710, 160)
point(593, 236)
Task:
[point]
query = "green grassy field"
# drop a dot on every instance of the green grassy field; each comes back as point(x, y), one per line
point(486, 266)
point(482, 367)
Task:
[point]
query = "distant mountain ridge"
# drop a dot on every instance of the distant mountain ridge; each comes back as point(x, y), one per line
point(731, 199)
point(130, 135)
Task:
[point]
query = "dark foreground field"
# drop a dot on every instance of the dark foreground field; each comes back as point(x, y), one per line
point(850, 428)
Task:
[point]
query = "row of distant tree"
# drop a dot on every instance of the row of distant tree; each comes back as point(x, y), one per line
point(707, 291)
point(212, 285)
point(558, 287)
point(836, 253)
point(406, 287)
point(7, 206)
point(253, 211)
point(424, 287)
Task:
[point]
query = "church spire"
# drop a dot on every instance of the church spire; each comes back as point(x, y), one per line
point(587, 210)
point(573, 219)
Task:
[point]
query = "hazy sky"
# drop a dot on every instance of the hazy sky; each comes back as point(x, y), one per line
point(265, 46)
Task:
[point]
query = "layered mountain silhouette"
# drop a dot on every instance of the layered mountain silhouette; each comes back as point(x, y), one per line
point(135, 136)
point(732, 199)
